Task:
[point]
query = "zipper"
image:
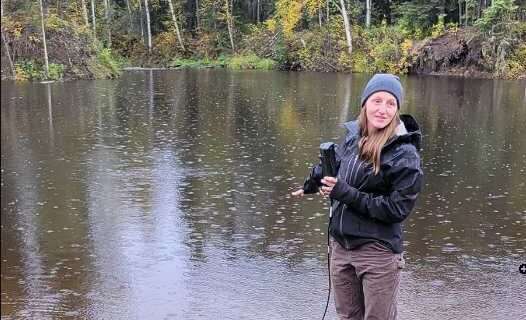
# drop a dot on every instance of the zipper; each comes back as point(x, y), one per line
point(357, 170)
point(352, 170)
point(344, 205)
point(341, 220)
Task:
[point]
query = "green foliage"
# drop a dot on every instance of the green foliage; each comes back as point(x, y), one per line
point(416, 18)
point(516, 64)
point(498, 15)
point(439, 28)
point(237, 62)
point(380, 49)
point(182, 63)
point(32, 70)
point(106, 64)
point(250, 62)
point(54, 22)
point(266, 41)
point(290, 36)
point(28, 70)
point(56, 71)
point(320, 49)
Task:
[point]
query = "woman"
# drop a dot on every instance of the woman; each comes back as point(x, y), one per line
point(378, 181)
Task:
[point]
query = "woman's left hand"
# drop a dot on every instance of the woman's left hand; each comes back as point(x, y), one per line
point(329, 183)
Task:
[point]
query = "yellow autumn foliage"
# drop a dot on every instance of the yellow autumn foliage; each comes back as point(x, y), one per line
point(313, 6)
point(289, 14)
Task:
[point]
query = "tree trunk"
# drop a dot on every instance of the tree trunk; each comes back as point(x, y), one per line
point(84, 12)
point(176, 25)
point(141, 21)
point(107, 20)
point(466, 13)
point(328, 12)
point(347, 25)
point(148, 28)
point(8, 54)
point(46, 63)
point(129, 15)
point(367, 13)
point(258, 11)
point(93, 19)
point(229, 24)
point(197, 14)
point(459, 12)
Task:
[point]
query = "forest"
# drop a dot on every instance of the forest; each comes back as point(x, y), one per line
point(94, 39)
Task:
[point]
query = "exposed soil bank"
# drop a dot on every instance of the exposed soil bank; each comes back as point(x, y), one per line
point(467, 53)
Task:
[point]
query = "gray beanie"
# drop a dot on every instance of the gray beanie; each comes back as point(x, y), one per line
point(384, 82)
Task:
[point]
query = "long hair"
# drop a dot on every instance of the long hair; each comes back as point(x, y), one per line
point(371, 144)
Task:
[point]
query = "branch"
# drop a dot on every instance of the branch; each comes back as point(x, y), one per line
point(337, 6)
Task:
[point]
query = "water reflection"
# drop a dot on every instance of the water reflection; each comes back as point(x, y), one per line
point(166, 195)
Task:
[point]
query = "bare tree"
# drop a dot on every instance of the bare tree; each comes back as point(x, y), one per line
point(141, 21)
point(46, 63)
point(107, 14)
point(459, 12)
point(129, 14)
point(148, 28)
point(346, 24)
point(229, 23)
point(328, 11)
point(368, 13)
point(259, 11)
point(197, 14)
point(8, 54)
point(176, 24)
point(84, 12)
point(93, 20)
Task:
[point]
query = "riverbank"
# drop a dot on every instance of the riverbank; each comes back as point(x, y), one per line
point(449, 50)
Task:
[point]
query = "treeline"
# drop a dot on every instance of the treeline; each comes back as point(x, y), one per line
point(94, 38)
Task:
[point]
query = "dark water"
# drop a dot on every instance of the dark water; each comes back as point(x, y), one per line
point(164, 195)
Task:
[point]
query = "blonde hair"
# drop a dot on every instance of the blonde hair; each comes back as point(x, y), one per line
point(371, 144)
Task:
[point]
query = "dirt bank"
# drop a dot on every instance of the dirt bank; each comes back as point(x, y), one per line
point(468, 53)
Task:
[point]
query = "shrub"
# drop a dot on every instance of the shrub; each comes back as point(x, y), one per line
point(54, 22)
point(380, 49)
point(251, 62)
point(516, 65)
point(28, 70)
point(183, 63)
point(110, 62)
point(320, 49)
point(56, 71)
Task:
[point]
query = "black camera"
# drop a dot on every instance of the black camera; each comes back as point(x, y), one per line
point(328, 167)
point(328, 159)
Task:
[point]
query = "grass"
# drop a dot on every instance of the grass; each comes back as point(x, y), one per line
point(237, 62)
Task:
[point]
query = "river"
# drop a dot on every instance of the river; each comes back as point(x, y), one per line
point(166, 195)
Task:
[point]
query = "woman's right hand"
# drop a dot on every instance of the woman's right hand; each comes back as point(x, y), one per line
point(298, 193)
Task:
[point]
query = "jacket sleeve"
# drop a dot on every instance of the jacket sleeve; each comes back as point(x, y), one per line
point(406, 180)
point(313, 181)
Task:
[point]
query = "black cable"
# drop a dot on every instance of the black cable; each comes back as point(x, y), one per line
point(328, 262)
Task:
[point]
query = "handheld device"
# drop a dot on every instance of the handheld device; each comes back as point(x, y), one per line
point(328, 159)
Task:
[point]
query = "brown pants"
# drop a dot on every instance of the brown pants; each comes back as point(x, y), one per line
point(365, 281)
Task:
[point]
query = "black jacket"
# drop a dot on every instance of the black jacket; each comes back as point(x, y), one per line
point(368, 207)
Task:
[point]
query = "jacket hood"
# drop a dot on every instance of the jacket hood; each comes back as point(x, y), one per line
point(408, 131)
